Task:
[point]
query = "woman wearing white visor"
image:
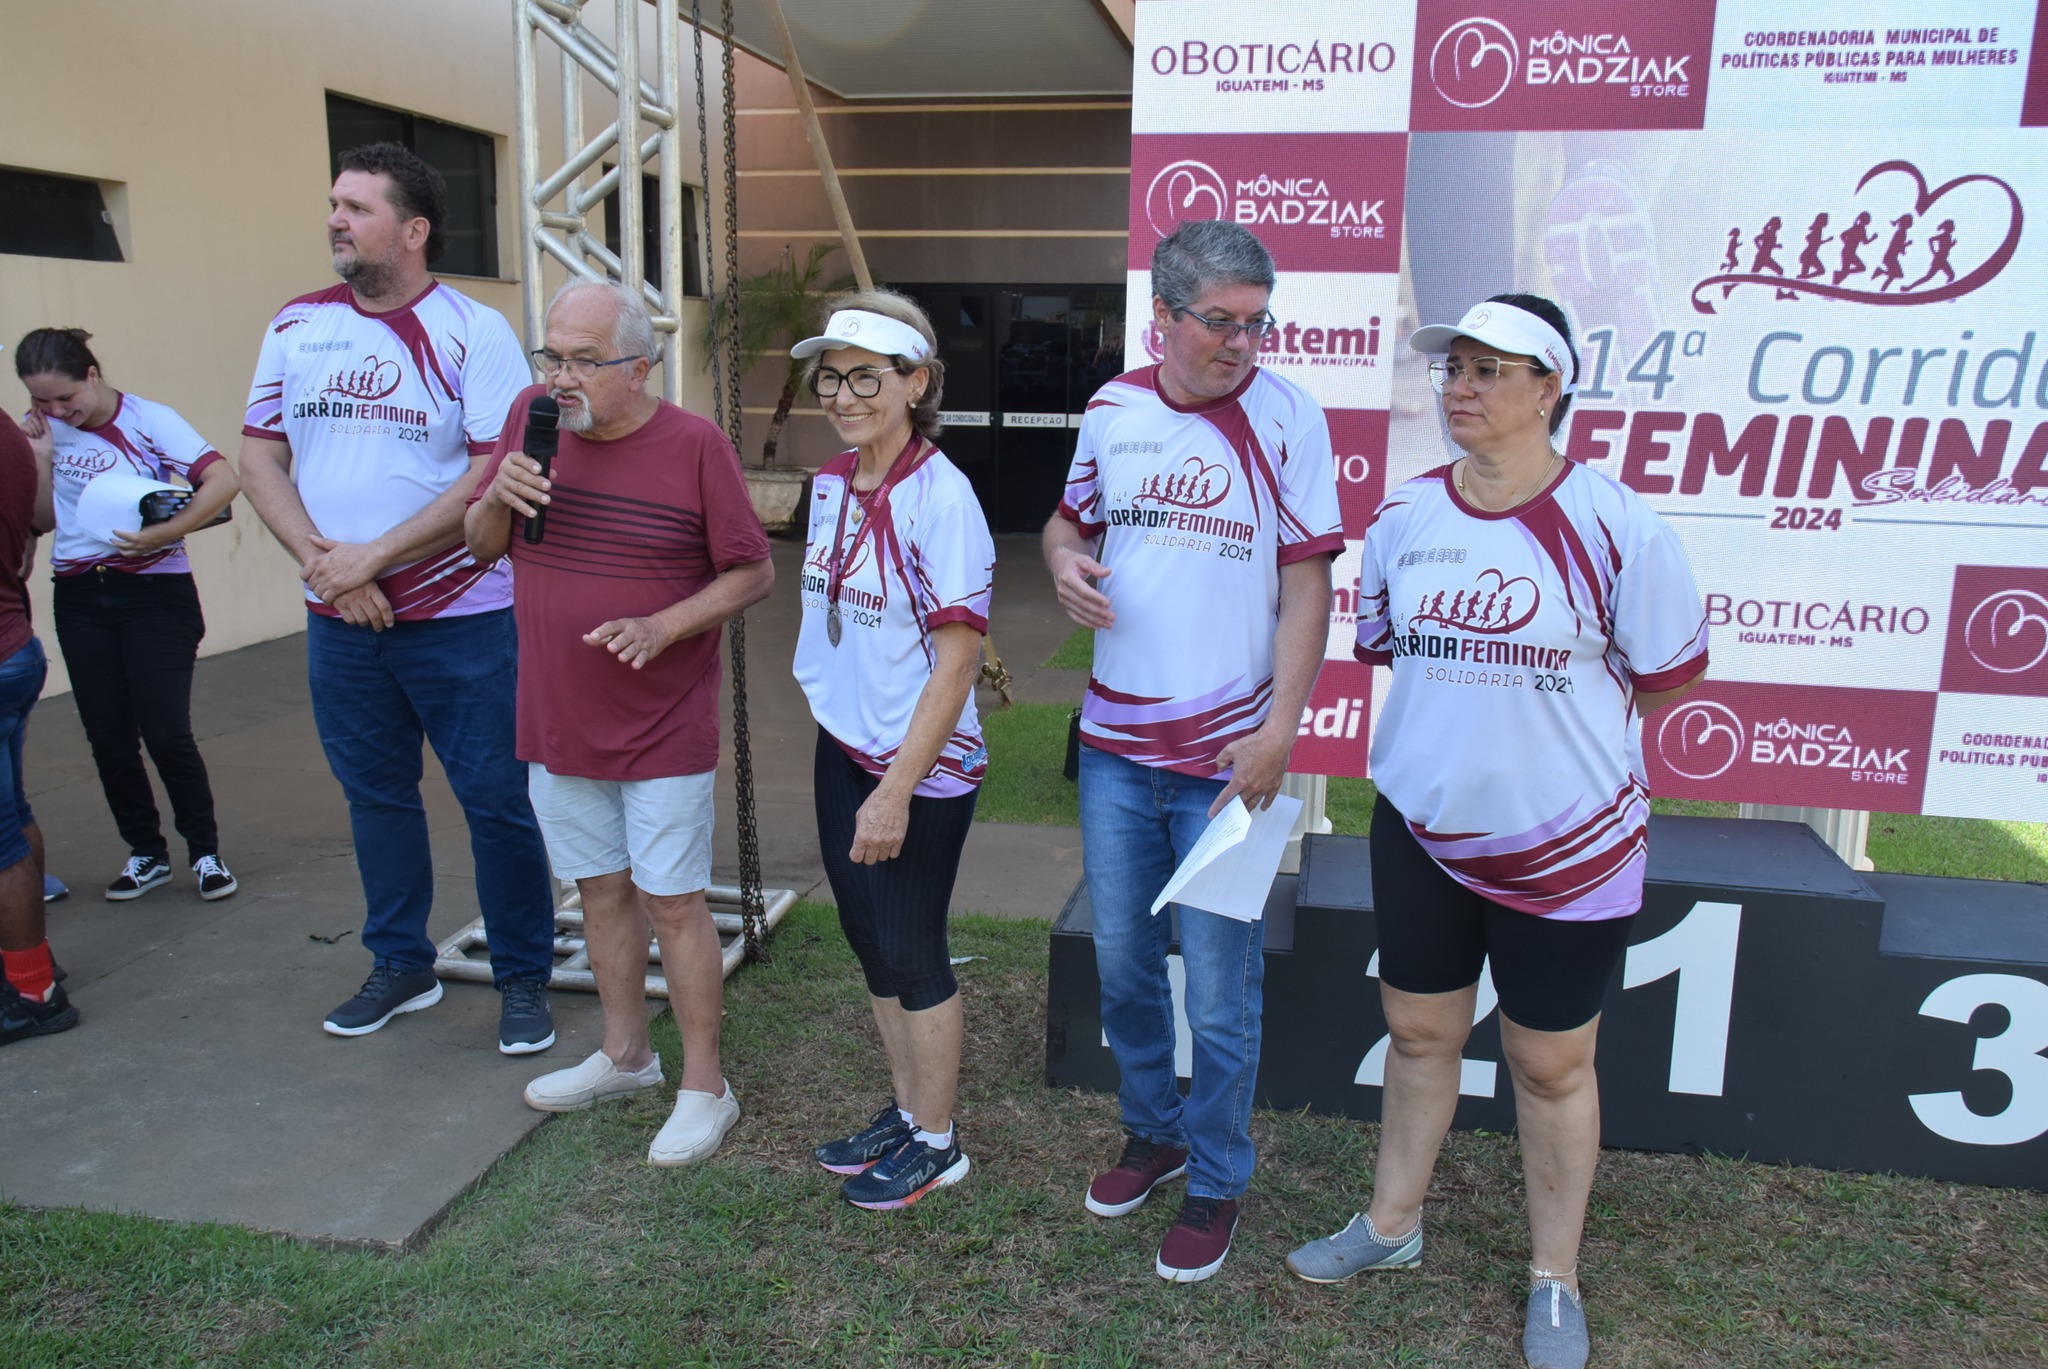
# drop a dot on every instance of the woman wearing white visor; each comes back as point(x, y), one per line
point(896, 583)
point(1532, 611)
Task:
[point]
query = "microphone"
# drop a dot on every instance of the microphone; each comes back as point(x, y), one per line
point(540, 442)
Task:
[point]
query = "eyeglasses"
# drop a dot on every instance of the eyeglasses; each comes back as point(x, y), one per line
point(864, 381)
point(1480, 373)
point(1229, 330)
point(578, 368)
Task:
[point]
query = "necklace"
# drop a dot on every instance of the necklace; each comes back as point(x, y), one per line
point(1525, 495)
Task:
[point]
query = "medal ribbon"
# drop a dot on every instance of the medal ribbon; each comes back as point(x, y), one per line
point(835, 576)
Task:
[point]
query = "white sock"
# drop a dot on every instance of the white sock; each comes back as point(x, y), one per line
point(937, 1140)
point(908, 1120)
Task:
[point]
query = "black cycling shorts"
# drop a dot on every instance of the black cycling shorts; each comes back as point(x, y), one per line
point(1435, 934)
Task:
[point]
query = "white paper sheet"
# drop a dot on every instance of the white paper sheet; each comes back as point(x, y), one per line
point(1230, 870)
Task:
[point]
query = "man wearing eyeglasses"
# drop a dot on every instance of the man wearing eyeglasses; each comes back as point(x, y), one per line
point(373, 404)
point(633, 546)
point(1195, 537)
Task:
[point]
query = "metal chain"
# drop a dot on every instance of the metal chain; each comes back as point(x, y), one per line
point(752, 915)
point(704, 190)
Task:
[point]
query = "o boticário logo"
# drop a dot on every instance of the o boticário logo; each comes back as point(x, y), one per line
point(1913, 257)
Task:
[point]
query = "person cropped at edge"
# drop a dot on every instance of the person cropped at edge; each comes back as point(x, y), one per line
point(898, 573)
point(32, 1002)
point(648, 545)
point(1513, 802)
point(127, 613)
point(374, 405)
point(1206, 646)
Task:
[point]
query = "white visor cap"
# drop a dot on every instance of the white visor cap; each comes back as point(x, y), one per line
point(1509, 328)
point(859, 328)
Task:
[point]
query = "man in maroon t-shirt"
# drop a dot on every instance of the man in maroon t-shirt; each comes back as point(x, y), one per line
point(649, 544)
point(32, 1002)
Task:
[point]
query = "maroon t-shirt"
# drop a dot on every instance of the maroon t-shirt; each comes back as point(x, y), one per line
point(635, 525)
point(17, 509)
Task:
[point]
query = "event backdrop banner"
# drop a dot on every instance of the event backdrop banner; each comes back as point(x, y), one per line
point(1804, 289)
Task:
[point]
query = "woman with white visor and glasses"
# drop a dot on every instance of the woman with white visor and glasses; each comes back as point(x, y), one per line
point(1532, 611)
point(896, 583)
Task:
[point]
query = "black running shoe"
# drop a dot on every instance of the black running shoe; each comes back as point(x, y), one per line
point(215, 879)
point(21, 1018)
point(388, 992)
point(524, 1023)
point(906, 1174)
point(138, 877)
point(855, 1154)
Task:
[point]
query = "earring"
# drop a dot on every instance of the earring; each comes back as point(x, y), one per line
point(1542, 413)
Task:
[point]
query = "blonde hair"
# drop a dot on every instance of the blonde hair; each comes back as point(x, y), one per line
point(924, 414)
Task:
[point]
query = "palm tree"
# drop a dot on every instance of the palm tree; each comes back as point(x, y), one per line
point(777, 307)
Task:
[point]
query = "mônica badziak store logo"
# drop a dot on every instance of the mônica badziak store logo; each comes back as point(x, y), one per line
point(1319, 201)
point(1580, 64)
point(1814, 746)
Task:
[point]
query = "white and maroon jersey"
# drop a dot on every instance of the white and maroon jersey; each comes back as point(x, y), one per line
point(918, 559)
point(383, 412)
point(1518, 642)
point(142, 438)
point(1197, 508)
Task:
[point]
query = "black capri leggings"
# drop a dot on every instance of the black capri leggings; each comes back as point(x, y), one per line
point(893, 912)
point(1435, 934)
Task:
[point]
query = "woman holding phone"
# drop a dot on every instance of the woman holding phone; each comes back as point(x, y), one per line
point(127, 611)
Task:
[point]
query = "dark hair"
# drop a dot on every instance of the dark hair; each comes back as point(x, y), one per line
point(61, 351)
point(1203, 254)
point(417, 190)
point(1554, 316)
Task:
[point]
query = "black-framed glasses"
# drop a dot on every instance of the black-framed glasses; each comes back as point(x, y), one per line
point(864, 381)
point(579, 368)
point(1229, 330)
point(1480, 373)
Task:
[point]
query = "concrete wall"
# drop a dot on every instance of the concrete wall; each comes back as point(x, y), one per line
point(211, 121)
point(998, 192)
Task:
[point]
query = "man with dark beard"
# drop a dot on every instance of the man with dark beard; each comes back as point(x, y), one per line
point(375, 403)
point(649, 546)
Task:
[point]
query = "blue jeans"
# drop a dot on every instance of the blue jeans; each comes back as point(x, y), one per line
point(21, 683)
point(449, 681)
point(1136, 824)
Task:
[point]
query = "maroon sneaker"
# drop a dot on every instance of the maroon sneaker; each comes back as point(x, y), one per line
point(1145, 1165)
point(1195, 1247)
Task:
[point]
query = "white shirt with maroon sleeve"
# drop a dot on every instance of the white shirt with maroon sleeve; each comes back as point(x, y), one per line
point(383, 413)
point(1518, 642)
point(910, 563)
point(1198, 508)
point(142, 438)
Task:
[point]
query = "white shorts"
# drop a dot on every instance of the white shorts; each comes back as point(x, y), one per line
point(660, 830)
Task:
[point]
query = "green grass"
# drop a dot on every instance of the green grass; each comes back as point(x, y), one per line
point(1028, 745)
point(573, 1252)
point(1076, 653)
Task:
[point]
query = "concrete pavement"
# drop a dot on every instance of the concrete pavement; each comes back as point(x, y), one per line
point(199, 1086)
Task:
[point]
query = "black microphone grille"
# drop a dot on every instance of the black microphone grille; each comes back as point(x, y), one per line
point(543, 412)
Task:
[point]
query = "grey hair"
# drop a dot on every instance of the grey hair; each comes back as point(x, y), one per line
point(1199, 256)
point(633, 332)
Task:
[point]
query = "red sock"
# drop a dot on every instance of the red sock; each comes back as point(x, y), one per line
point(30, 971)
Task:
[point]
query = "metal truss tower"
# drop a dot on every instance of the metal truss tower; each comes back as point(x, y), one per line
point(556, 209)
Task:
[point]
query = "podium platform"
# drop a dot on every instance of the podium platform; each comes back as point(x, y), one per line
point(1773, 1004)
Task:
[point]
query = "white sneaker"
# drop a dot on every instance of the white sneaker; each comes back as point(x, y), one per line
point(695, 1128)
point(591, 1082)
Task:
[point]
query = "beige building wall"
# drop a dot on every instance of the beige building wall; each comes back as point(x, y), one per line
point(210, 122)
